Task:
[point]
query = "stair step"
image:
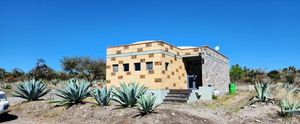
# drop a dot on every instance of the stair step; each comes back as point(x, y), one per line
point(178, 95)
point(173, 102)
point(180, 91)
point(172, 93)
point(176, 98)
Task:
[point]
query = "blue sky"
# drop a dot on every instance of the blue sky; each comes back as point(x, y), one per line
point(256, 34)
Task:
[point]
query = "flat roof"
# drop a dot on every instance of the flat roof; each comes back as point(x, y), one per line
point(161, 41)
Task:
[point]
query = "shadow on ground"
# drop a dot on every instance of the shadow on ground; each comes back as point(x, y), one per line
point(7, 117)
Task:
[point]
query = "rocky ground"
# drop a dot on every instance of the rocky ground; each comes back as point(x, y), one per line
point(226, 109)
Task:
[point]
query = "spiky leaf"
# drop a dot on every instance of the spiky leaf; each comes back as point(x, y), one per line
point(102, 96)
point(31, 90)
point(127, 94)
point(73, 92)
point(146, 104)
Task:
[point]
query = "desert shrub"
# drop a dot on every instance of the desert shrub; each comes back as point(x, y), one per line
point(102, 96)
point(127, 95)
point(146, 104)
point(274, 75)
point(6, 86)
point(31, 90)
point(291, 89)
point(214, 97)
point(73, 92)
point(262, 93)
point(287, 108)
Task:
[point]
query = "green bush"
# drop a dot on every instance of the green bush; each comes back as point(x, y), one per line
point(31, 90)
point(127, 95)
point(102, 96)
point(146, 104)
point(73, 92)
point(236, 73)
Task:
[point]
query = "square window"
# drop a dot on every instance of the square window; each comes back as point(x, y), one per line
point(126, 67)
point(115, 68)
point(166, 66)
point(137, 66)
point(149, 66)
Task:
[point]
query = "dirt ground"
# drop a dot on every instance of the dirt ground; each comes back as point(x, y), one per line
point(225, 109)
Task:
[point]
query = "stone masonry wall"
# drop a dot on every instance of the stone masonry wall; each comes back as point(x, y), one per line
point(215, 70)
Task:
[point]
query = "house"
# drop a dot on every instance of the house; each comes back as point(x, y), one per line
point(167, 69)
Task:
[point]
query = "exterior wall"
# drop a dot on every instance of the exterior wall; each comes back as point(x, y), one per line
point(215, 70)
point(123, 54)
point(157, 52)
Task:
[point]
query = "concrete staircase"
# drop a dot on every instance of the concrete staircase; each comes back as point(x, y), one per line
point(177, 96)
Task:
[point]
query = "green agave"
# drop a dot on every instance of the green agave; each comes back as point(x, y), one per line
point(73, 92)
point(102, 96)
point(127, 95)
point(288, 109)
point(146, 104)
point(263, 91)
point(31, 90)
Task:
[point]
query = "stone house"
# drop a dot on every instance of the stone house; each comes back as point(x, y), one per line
point(167, 69)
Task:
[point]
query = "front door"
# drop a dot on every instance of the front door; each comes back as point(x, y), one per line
point(192, 79)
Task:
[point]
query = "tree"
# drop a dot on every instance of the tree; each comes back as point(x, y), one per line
point(236, 73)
point(274, 75)
point(42, 71)
point(252, 75)
point(2, 73)
point(290, 74)
point(84, 67)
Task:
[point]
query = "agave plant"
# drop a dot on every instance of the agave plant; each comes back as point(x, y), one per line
point(54, 82)
point(291, 89)
point(102, 96)
point(262, 93)
point(73, 92)
point(127, 95)
point(31, 90)
point(146, 104)
point(288, 109)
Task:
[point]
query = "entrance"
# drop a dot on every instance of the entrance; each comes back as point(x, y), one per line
point(193, 66)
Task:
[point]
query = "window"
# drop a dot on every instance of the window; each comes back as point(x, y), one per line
point(137, 66)
point(115, 68)
point(149, 66)
point(166, 66)
point(126, 67)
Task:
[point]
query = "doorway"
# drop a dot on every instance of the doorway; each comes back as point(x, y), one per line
point(193, 66)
